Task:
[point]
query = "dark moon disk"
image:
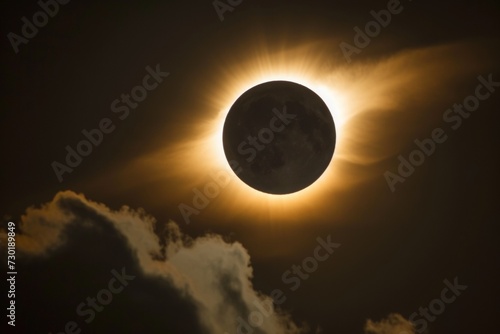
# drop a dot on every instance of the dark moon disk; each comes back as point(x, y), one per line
point(279, 137)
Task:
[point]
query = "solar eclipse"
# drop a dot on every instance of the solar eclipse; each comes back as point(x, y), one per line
point(279, 137)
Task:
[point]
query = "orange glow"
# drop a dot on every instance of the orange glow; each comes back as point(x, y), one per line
point(373, 106)
point(209, 150)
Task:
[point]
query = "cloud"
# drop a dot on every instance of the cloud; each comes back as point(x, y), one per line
point(213, 274)
point(393, 324)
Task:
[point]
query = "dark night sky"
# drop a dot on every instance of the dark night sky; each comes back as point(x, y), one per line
point(397, 247)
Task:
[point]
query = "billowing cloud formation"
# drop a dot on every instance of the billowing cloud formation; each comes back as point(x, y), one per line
point(212, 275)
point(393, 324)
point(215, 275)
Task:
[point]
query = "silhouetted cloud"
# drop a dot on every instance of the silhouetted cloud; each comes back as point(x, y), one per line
point(206, 276)
point(209, 272)
point(393, 324)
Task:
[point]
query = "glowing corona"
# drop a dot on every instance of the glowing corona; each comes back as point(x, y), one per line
point(364, 100)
